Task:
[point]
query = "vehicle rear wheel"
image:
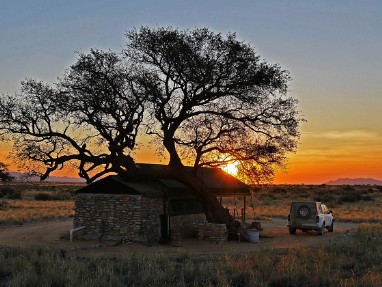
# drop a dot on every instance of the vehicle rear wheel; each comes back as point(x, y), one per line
point(292, 230)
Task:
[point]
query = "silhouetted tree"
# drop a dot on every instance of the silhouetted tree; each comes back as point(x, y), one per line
point(216, 101)
point(209, 99)
point(89, 119)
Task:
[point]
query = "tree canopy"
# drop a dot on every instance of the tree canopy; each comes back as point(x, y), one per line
point(215, 100)
point(89, 119)
point(208, 99)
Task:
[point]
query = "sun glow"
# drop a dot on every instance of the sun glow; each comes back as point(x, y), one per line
point(231, 168)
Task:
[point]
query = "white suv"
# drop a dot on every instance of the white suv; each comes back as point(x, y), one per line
point(309, 215)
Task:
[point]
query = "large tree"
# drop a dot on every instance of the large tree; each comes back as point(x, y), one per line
point(89, 119)
point(208, 98)
point(216, 100)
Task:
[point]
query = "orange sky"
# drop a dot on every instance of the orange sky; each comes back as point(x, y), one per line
point(321, 157)
point(324, 156)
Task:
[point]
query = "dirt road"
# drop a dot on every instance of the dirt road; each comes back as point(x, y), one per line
point(275, 235)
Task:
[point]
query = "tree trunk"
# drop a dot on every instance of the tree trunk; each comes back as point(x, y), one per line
point(214, 211)
point(169, 144)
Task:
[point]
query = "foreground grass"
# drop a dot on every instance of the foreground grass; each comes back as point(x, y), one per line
point(353, 260)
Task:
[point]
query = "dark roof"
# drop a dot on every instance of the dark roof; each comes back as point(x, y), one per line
point(175, 188)
point(114, 184)
point(221, 183)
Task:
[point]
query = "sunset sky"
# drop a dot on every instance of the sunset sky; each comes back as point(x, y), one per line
point(332, 49)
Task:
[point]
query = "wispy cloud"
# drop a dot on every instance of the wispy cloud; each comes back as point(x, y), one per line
point(350, 134)
point(337, 146)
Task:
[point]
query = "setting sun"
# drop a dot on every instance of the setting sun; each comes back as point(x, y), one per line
point(231, 168)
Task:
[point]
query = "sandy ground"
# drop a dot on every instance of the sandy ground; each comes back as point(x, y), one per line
point(275, 235)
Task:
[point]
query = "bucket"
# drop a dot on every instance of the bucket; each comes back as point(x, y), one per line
point(253, 235)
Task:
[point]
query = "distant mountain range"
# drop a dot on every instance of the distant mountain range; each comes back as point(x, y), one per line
point(24, 177)
point(354, 181)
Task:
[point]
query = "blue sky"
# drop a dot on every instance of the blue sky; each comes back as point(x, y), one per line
point(332, 49)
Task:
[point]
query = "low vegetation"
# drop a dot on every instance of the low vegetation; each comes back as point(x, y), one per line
point(351, 261)
point(348, 203)
point(23, 211)
point(25, 202)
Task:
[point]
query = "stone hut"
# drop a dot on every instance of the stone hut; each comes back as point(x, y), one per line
point(145, 210)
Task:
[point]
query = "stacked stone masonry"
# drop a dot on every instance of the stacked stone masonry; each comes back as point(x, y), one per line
point(128, 218)
point(186, 225)
point(216, 233)
point(118, 217)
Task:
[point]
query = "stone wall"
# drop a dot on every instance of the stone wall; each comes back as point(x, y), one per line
point(186, 225)
point(118, 217)
point(213, 232)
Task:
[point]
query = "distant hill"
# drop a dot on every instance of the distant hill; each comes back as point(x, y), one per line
point(24, 177)
point(354, 181)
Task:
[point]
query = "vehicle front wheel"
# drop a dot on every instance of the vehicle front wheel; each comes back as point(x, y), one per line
point(331, 227)
point(292, 230)
point(322, 229)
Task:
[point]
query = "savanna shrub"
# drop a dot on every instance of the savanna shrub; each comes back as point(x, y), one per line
point(367, 198)
point(280, 190)
point(64, 195)
point(3, 205)
point(43, 197)
point(351, 197)
point(329, 199)
point(10, 193)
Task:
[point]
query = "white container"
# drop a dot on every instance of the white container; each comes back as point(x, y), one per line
point(253, 235)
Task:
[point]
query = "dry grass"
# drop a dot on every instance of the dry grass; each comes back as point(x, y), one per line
point(355, 259)
point(348, 203)
point(18, 204)
point(21, 211)
point(352, 260)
